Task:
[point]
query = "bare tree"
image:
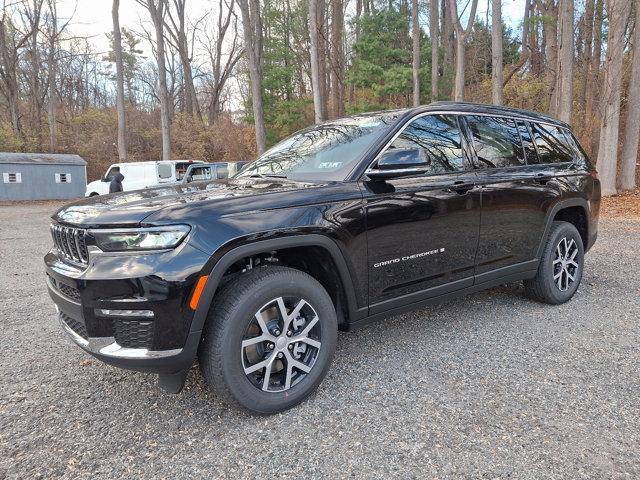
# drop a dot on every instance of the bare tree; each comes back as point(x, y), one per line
point(222, 63)
point(461, 37)
point(608, 145)
point(337, 58)
point(176, 27)
point(587, 21)
point(632, 126)
point(564, 76)
point(549, 12)
point(253, 45)
point(315, 61)
point(117, 50)
point(12, 40)
point(415, 31)
point(434, 17)
point(447, 38)
point(496, 52)
point(157, 9)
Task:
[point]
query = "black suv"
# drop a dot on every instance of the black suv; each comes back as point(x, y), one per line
point(341, 224)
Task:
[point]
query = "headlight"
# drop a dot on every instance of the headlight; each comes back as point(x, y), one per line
point(153, 238)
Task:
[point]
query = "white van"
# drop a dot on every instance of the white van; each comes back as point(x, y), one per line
point(139, 175)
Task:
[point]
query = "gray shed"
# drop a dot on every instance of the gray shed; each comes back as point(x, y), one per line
point(42, 176)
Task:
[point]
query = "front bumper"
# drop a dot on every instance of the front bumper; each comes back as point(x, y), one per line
point(87, 301)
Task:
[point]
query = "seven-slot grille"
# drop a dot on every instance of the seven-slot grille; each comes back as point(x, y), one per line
point(71, 242)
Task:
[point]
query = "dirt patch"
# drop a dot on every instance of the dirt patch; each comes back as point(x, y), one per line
point(624, 205)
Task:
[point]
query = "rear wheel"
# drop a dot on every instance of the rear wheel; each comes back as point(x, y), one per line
point(269, 340)
point(560, 269)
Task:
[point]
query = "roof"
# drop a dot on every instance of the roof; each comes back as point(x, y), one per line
point(41, 158)
point(468, 107)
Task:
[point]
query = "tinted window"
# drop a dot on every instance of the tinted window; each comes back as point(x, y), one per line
point(579, 154)
point(496, 141)
point(551, 144)
point(527, 143)
point(439, 137)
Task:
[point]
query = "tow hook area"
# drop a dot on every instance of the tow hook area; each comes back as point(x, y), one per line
point(173, 382)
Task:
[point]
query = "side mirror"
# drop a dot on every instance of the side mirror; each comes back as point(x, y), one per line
point(400, 162)
point(104, 178)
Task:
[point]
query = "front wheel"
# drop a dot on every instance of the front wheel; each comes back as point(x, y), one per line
point(269, 340)
point(560, 269)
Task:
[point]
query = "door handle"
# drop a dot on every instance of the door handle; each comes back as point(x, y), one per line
point(461, 187)
point(542, 178)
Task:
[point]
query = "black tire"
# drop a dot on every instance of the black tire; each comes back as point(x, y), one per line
point(544, 286)
point(93, 194)
point(222, 355)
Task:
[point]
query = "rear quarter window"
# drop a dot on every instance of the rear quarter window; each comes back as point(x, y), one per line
point(551, 144)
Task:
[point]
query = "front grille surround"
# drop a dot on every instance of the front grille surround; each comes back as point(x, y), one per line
point(71, 243)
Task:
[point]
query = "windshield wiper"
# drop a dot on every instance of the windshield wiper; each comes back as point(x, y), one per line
point(266, 175)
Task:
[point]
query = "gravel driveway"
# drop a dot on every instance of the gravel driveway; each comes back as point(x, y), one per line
point(488, 386)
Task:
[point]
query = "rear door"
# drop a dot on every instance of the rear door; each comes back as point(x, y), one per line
point(516, 191)
point(422, 230)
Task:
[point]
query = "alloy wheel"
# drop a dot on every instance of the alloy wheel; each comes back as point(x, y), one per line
point(281, 344)
point(565, 264)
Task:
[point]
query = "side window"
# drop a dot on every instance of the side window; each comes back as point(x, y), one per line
point(527, 143)
point(496, 141)
point(579, 153)
point(164, 170)
point(63, 177)
point(109, 175)
point(439, 137)
point(551, 144)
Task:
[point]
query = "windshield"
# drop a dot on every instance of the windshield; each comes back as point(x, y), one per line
point(326, 152)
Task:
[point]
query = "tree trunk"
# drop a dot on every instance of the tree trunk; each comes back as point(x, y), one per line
point(608, 146)
point(253, 42)
point(434, 18)
point(593, 94)
point(461, 36)
point(496, 52)
point(322, 56)
point(415, 30)
point(315, 61)
point(564, 89)
point(337, 58)
point(549, 9)
point(586, 51)
point(448, 39)
point(157, 12)
point(632, 127)
point(117, 48)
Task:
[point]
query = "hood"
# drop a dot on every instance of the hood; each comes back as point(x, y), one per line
point(220, 196)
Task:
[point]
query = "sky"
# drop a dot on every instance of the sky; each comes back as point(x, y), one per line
point(92, 18)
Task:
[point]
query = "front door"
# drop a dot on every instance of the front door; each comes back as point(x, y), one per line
point(422, 230)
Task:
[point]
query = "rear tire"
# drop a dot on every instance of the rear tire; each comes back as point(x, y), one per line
point(271, 365)
point(560, 269)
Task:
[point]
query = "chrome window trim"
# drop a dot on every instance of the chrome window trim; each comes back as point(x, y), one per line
point(514, 117)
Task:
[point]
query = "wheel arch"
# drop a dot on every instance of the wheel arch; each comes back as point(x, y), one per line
point(575, 211)
point(223, 263)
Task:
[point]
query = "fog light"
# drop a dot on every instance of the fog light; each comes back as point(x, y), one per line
point(125, 313)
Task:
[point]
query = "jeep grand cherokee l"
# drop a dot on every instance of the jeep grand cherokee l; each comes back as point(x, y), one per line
point(341, 224)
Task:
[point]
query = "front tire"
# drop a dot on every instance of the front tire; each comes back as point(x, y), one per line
point(269, 339)
point(560, 269)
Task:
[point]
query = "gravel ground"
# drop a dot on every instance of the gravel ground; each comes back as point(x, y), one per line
point(488, 386)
